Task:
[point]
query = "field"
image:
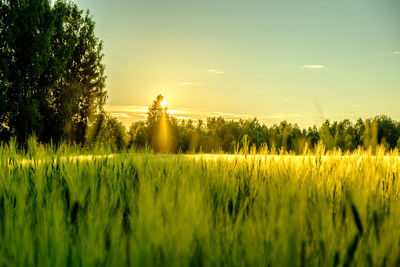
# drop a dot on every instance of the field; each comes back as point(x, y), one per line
point(143, 209)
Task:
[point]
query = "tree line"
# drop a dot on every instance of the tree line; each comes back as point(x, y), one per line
point(219, 135)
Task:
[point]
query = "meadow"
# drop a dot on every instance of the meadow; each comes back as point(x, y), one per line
point(66, 207)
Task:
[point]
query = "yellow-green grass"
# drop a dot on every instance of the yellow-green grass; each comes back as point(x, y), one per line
point(60, 208)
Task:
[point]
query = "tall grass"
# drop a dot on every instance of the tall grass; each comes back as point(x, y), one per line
point(144, 209)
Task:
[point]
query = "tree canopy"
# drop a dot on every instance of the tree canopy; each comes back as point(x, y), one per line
point(52, 80)
point(217, 134)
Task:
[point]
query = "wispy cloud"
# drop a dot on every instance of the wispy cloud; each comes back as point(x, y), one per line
point(214, 71)
point(229, 116)
point(396, 52)
point(314, 66)
point(281, 116)
point(127, 114)
point(126, 109)
point(190, 83)
point(119, 115)
point(186, 83)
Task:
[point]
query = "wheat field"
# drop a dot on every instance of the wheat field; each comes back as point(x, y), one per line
point(66, 207)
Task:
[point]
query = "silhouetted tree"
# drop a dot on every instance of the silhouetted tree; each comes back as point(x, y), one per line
point(162, 128)
point(155, 113)
point(388, 133)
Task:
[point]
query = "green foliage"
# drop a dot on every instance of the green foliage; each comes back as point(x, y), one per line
point(61, 208)
point(51, 73)
point(138, 135)
point(107, 132)
point(220, 135)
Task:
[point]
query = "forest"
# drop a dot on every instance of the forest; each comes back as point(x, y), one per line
point(219, 135)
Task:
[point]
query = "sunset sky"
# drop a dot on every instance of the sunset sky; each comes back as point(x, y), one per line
point(300, 61)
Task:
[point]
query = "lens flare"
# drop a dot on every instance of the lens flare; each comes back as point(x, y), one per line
point(163, 103)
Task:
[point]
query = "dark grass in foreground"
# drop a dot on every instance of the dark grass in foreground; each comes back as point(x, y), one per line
point(177, 210)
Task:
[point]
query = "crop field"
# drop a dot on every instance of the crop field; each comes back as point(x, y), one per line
point(64, 208)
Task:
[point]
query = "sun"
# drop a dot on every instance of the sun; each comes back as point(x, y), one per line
point(163, 103)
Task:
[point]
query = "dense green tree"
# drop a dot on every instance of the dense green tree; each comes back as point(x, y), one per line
point(80, 92)
point(26, 30)
point(138, 135)
point(359, 128)
point(312, 136)
point(115, 134)
point(326, 135)
point(108, 132)
point(51, 75)
point(388, 133)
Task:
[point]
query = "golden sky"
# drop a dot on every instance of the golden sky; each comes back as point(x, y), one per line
point(302, 61)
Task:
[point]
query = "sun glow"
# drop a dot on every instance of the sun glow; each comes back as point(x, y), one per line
point(163, 103)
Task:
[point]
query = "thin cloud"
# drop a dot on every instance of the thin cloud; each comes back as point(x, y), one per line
point(186, 83)
point(126, 109)
point(314, 66)
point(214, 71)
point(119, 115)
point(189, 83)
point(282, 116)
point(229, 116)
point(179, 118)
point(396, 52)
point(127, 114)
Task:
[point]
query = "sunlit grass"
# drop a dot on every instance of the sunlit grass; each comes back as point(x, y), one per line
point(58, 207)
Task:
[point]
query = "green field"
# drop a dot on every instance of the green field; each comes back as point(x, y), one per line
point(143, 209)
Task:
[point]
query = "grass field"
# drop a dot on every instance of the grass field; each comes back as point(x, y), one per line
point(144, 209)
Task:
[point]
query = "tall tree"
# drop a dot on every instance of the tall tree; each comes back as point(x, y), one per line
point(155, 112)
point(161, 127)
point(26, 30)
point(51, 73)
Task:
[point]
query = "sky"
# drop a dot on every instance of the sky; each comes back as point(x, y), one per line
point(300, 61)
